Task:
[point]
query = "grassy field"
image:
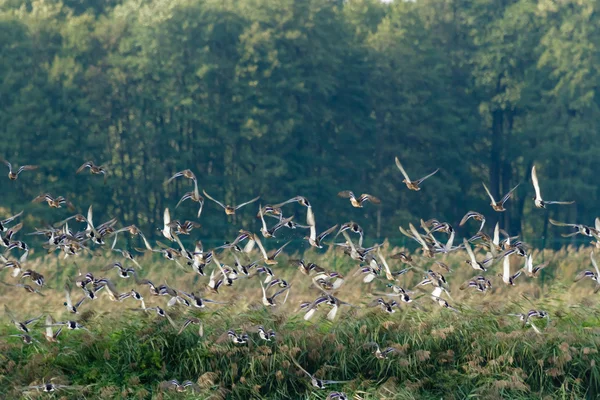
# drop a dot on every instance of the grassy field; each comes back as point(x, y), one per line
point(480, 352)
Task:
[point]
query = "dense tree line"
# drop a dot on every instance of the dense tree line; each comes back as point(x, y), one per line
point(285, 97)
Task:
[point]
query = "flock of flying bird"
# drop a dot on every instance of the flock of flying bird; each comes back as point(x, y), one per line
point(275, 290)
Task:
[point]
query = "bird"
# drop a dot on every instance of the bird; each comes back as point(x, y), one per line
point(530, 270)
point(436, 226)
point(184, 228)
point(428, 250)
point(266, 335)
point(160, 312)
point(480, 266)
point(412, 185)
point(14, 175)
point(402, 256)
point(73, 308)
point(270, 301)
point(507, 278)
point(27, 288)
point(332, 280)
point(398, 291)
point(194, 321)
point(186, 173)
point(193, 196)
point(355, 228)
point(174, 384)
point(382, 354)
point(4, 222)
point(593, 275)
point(53, 202)
point(237, 339)
point(48, 333)
point(499, 206)
point(526, 319)
point(269, 233)
point(307, 268)
point(579, 229)
point(387, 306)
point(358, 202)
point(476, 216)
point(315, 240)
point(297, 199)
point(480, 282)
point(94, 169)
point(200, 302)
point(270, 211)
point(27, 339)
point(337, 396)
point(214, 284)
point(334, 302)
point(230, 210)
point(51, 387)
point(443, 303)
point(356, 253)
point(166, 229)
point(20, 325)
point(35, 277)
point(123, 272)
point(269, 260)
point(318, 383)
point(127, 255)
point(539, 202)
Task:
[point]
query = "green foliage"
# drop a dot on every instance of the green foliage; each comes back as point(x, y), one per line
point(280, 98)
point(453, 356)
point(480, 352)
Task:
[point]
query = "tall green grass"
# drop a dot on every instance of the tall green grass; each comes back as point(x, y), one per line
point(478, 353)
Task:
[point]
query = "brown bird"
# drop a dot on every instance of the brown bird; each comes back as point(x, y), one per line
point(499, 206)
point(49, 334)
point(298, 199)
point(476, 216)
point(193, 196)
point(230, 210)
point(358, 202)
point(3, 227)
point(314, 239)
point(269, 260)
point(54, 202)
point(14, 175)
point(402, 256)
point(186, 173)
point(532, 271)
point(27, 288)
point(183, 228)
point(94, 169)
point(412, 185)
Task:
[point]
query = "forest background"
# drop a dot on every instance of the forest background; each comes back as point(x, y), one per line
point(280, 98)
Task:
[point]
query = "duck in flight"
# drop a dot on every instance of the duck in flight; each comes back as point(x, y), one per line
point(315, 240)
point(94, 169)
point(53, 202)
point(539, 202)
point(499, 205)
point(412, 185)
point(358, 201)
point(12, 175)
point(318, 383)
point(476, 216)
point(593, 275)
point(230, 210)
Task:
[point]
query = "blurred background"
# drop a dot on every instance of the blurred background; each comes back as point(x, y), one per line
point(280, 98)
